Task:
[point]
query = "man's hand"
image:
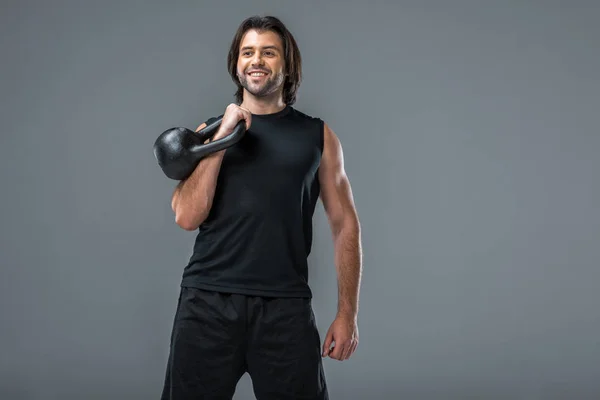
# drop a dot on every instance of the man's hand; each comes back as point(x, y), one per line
point(233, 114)
point(344, 332)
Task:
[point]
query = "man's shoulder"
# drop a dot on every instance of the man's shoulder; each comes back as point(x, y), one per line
point(310, 121)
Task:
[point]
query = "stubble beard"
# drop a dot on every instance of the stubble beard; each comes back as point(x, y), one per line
point(270, 86)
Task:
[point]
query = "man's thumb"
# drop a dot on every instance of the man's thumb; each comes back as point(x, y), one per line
point(327, 344)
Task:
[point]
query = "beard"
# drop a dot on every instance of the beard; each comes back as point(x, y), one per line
point(264, 88)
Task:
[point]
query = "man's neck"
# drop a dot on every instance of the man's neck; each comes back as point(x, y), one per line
point(263, 105)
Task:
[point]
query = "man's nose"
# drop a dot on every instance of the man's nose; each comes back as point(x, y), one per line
point(257, 60)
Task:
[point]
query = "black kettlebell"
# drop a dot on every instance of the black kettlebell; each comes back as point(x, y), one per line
point(179, 150)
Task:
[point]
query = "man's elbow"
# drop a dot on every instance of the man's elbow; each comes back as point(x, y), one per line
point(188, 222)
point(347, 224)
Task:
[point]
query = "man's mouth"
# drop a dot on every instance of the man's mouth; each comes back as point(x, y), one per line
point(257, 73)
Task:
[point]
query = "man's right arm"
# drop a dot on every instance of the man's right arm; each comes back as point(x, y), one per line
point(192, 198)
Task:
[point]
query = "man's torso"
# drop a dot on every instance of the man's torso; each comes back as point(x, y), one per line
point(258, 234)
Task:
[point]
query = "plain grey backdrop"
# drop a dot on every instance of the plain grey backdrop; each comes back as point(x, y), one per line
point(471, 137)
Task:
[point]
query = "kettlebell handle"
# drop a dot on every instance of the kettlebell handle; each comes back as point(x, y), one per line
point(179, 150)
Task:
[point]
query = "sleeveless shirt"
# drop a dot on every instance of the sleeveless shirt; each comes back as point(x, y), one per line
point(258, 234)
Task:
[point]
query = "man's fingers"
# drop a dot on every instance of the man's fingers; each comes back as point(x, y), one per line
point(347, 350)
point(337, 352)
point(352, 349)
point(246, 115)
point(327, 344)
point(247, 118)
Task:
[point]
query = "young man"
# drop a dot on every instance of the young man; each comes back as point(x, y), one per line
point(245, 303)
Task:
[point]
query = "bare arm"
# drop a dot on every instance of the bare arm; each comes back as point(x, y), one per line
point(338, 202)
point(192, 198)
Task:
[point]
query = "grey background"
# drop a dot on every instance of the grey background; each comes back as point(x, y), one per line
point(471, 138)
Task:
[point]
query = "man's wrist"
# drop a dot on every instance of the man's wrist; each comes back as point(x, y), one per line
point(347, 314)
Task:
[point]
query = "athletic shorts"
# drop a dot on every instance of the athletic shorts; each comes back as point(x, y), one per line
point(217, 337)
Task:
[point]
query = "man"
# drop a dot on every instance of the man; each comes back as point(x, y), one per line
point(245, 303)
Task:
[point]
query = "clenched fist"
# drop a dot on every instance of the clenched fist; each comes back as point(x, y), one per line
point(233, 114)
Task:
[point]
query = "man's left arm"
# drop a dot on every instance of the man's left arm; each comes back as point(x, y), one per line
point(338, 202)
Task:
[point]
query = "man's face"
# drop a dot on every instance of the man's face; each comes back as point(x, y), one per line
point(260, 66)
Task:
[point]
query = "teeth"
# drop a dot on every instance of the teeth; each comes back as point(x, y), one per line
point(257, 74)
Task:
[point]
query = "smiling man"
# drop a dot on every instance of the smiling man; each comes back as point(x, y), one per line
point(245, 302)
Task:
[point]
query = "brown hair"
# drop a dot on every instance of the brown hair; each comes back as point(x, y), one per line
point(291, 52)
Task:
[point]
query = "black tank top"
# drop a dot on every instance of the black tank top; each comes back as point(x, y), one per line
point(258, 234)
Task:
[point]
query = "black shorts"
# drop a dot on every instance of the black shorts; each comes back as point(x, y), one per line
point(217, 337)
